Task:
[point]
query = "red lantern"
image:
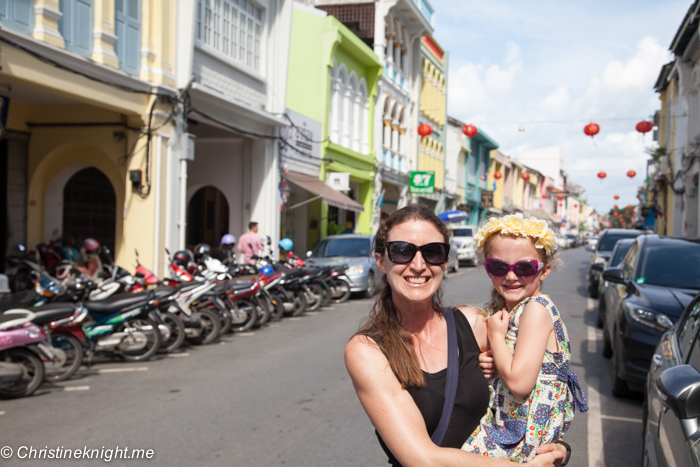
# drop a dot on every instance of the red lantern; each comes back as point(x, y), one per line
point(591, 129)
point(629, 206)
point(544, 196)
point(602, 175)
point(525, 176)
point(575, 205)
point(615, 207)
point(561, 205)
point(631, 174)
point(424, 129)
point(616, 196)
point(469, 130)
point(560, 197)
point(497, 175)
point(644, 126)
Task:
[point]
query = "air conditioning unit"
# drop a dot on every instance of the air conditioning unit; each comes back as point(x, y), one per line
point(339, 181)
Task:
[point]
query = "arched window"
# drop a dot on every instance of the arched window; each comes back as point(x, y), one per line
point(363, 120)
point(386, 135)
point(351, 113)
point(341, 113)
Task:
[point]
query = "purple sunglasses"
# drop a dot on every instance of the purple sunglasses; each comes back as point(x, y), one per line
point(524, 269)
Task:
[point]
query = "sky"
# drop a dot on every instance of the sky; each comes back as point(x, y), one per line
point(551, 67)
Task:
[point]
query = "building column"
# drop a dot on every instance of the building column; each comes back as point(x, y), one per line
point(46, 16)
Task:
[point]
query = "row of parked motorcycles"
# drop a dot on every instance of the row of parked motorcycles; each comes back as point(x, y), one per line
point(70, 312)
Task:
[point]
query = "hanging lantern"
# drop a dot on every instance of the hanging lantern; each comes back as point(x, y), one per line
point(591, 129)
point(631, 174)
point(644, 126)
point(424, 129)
point(545, 196)
point(602, 175)
point(575, 205)
point(561, 205)
point(616, 196)
point(615, 207)
point(525, 176)
point(629, 206)
point(560, 197)
point(497, 175)
point(469, 130)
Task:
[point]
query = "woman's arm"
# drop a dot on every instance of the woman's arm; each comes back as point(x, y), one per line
point(396, 417)
point(520, 369)
point(478, 324)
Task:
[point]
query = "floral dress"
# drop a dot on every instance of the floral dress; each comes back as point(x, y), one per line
point(514, 427)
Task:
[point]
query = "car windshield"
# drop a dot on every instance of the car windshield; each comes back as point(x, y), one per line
point(609, 240)
point(347, 247)
point(463, 233)
point(622, 248)
point(671, 266)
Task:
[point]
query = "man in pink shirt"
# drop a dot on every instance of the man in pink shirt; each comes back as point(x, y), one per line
point(250, 243)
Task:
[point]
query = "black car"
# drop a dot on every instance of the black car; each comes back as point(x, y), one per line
point(616, 256)
point(670, 436)
point(655, 282)
point(601, 252)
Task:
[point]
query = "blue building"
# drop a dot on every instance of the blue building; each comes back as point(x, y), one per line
point(476, 179)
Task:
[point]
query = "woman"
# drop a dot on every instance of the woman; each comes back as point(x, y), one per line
point(398, 359)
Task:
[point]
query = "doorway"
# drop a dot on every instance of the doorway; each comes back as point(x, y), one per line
point(207, 217)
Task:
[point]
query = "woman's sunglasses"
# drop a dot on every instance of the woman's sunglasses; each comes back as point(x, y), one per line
point(524, 269)
point(403, 252)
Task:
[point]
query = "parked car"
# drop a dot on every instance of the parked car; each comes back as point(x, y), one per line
point(563, 242)
point(356, 252)
point(601, 252)
point(653, 285)
point(573, 240)
point(463, 238)
point(591, 240)
point(616, 256)
point(669, 436)
point(453, 260)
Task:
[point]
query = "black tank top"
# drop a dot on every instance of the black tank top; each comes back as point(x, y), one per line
point(472, 397)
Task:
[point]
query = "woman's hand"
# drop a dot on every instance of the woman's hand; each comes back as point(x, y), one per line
point(551, 454)
point(487, 365)
point(498, 325)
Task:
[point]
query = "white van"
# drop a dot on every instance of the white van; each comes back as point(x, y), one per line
point(463, 238)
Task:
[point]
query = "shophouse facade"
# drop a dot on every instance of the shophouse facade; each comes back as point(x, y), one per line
point(477, 191)
point(456, 154)
point(333, 80)
point(89, 97)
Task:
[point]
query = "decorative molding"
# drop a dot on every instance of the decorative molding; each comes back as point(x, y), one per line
point(47, 12)
point(39, 29)
point(101, 34)
point(148, 53)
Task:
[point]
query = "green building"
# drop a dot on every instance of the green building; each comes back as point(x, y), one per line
point(332, 80)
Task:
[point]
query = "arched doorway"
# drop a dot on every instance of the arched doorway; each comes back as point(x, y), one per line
point(207, 217)
point(90, 207)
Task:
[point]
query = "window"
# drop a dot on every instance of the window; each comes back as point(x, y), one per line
point(663, 266)
point(689, 328)
point(17, 15)
point(348, 116)
point(630, 262)
point(75, 25)
point(127, 27)
point(232, 27)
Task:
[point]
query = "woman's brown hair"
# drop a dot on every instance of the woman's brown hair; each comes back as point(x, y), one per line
point(383, 325)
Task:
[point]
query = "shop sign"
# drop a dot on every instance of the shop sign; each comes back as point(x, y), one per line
point(300, 147)
point(422, 183)
point(486, 199)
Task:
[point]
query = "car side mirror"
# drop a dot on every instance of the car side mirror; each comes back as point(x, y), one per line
point(681, 387)
point(308, 254)
point(614, 275)
point(590, 248)
point(597, 266)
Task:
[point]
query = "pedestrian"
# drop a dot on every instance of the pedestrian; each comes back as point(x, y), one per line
point(412, 354)
point(535, 393)
point(250, 243)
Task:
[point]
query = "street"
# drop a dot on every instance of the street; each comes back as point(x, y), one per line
point(281, 396)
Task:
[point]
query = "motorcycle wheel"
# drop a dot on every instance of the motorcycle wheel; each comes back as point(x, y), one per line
point(211, 328)
point(245, 314)
point(326, 296)
point(299, 303)
point(226, 321)
point(33, 373)
point(74, 357)
point(177, 332)
point(277, 308)
point(342, 292)
point(264, 306)
point(150, 329)
point(314, 292)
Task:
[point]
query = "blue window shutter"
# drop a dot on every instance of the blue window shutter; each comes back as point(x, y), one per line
point(17, 15)
point(76, 25)
point(128, 31)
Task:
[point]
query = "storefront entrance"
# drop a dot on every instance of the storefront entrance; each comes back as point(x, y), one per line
point(207, 217)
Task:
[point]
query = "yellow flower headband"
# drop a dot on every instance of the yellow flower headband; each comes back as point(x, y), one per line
point(515, 224)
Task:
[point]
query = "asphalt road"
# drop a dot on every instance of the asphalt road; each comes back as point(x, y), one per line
point(281, 396)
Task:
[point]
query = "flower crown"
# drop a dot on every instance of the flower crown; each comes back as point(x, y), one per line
point(515, 224)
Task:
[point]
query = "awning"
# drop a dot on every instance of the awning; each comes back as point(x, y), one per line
point(327, 194)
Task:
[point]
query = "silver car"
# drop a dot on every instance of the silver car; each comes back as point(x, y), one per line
point(356, 252)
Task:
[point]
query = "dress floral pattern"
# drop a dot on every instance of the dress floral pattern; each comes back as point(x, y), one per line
point(514, 427)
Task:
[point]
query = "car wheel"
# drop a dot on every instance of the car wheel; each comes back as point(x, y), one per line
point(601, 313)
point(607, 346)
point(592, 289)
point(371, 289)
point(618, 386)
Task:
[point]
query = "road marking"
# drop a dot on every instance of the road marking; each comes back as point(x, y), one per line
point(222, 343)
point(76, 388)
point(294, 318)
point(122, 370)
point(244, 334)
point(621, 419)
point(311, 313)
point(2, 412)
point(592, 340)
point(595, 425)
point(174, 355)
point(273, 325)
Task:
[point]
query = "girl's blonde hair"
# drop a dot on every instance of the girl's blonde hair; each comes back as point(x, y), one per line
point(514, 225)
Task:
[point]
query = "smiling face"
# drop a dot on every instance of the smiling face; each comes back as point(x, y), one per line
point(512, 249)
point(414, 283)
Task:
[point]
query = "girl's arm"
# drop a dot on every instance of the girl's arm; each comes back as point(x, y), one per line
point(397, 419)
point(519, 370)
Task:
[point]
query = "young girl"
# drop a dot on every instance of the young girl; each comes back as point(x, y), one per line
point(534, 394)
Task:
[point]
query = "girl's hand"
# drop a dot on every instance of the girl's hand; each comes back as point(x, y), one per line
point(487, 365)
point(549, 455)
point(498, 325)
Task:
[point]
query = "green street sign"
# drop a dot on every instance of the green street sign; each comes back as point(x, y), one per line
point(422, 183)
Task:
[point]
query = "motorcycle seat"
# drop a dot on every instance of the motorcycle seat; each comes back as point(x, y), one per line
point(188, 286)
point(118, 303)
point(240, 285)
point(219, 289)
point(291, 274)
point(46, 313)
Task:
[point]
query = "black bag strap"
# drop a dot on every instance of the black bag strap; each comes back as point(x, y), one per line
point(452, 376)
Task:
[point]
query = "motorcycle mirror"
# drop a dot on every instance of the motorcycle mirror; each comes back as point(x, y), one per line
point(21, 247)
point(308, 254)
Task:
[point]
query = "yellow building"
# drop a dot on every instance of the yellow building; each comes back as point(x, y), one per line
point(88, 103)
